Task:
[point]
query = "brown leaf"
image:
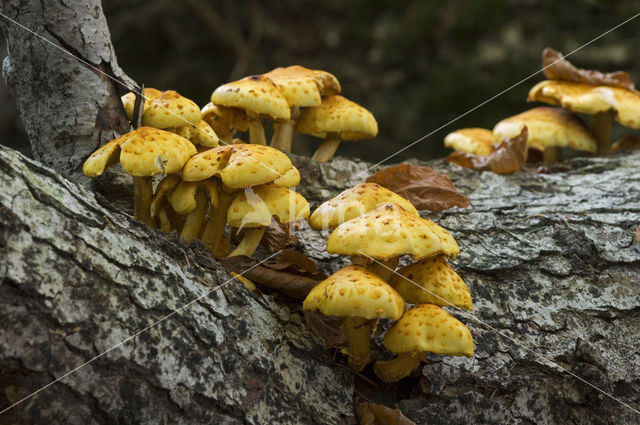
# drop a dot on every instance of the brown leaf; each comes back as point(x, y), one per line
point(290, 278)
point(277, 236)
point(556, 67)
point(369, 413)
point(425, 188)
point(509, 157)
point(327, 328)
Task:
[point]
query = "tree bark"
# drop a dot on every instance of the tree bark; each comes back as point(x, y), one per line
point(68, 105)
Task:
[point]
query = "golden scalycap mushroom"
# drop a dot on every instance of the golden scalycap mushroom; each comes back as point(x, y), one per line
point(164, 188)
point(355, 291)
point(289, 179)
point(255, 93)
point(255, 206)
point(548, 127)
point(433, 281)
point(354, 202)
point(297, 85)
point(340, 115)
point(427, 327)
point(129, 99)
point(239, 165)
point(478, 141)
point(171, 110)
point(390, 231)
point(224, 118)
point(200, 134)
point(183, 196)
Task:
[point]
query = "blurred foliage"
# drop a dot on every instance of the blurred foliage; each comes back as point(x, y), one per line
point(415, 64)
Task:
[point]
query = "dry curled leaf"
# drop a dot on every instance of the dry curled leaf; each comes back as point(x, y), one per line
point(556, 67)
point(423, 187)
point(369, 413)
point(277, 236)
point(292, 277)
point(509, 157)
point(326, 328)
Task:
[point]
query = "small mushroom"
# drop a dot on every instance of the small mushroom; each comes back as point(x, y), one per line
point(336, 119)
point(161, 210)
point(225, 120)
point(422, 329)
point(200, 134)
point(129, 99)
point(193, 199)
point(361, 297)
point(478, 141)
point(171, 109)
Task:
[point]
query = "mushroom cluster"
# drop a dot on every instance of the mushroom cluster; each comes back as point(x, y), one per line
point(375, 227)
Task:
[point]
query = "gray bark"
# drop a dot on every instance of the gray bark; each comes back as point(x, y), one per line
point(68, 108)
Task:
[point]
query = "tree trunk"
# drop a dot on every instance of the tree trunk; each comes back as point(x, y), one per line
point(68, 105)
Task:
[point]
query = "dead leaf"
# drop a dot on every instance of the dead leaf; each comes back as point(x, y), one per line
point(369, 413)
point(425, 188)
point(556, 67)
point(509, 156)
point(277, 236)
point(326, 328)
point(290, 278)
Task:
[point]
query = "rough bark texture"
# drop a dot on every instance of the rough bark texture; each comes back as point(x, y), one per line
point(550, 259)
point(68, 109)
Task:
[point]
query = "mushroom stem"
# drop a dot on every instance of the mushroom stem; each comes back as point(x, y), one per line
point(552, 154)
point(283, 135)
point(328, 147)
point(142, 194)
point(357, 330)
point(601, 126)
point(256, 129)
point(396, 369)
point(384, 268)
point(195, 218)
point(215, 225)
point(249, 243)
point(163, 220)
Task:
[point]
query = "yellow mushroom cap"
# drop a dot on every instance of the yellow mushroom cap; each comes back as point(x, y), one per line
point(163, 189)
point(478, 141)
point(338, 114)
point(171, 110)
point(432, 280)
point(183, 196)
point(548, 127)
point(223, 118)
point(297, 85)
point(427, 327)
point(255, 206)
point(390, 231)
point(200, 134)
point(354, 202)
point(239, 165)
point(145, 151)
point(327, 82)
point(354, 291)
point(588, 99)
point(289, 179)
point(256, 93)
point(129, 100)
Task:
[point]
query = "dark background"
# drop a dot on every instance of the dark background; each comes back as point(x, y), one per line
point(415, 64)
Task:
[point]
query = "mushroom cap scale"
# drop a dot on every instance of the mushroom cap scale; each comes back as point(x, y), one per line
point(255, 206)
point(340, 115)
point(390, 231)
point(427, 327)
point(354, 202)
point(171, 110)
point(478, 141)
point(255, 93)
point(548, 127)
point(354, 291)
point(433, 281)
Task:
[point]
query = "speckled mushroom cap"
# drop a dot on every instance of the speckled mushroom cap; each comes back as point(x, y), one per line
point(200, 134)
point(338, 114)
point(183, 197)
point(256, 93)
point(478, 141)
point(255, 206)
point(354, 291)
point(289, 179)
point(427, 327)
point(238, 165)
point(129, 100)
point(297, 85)
point(354, 202)
point(145, 151)
point(388, 232)
point(171, 110)
point(548, 127)
point(432, 280)
point(222, 118)
point(588, 99)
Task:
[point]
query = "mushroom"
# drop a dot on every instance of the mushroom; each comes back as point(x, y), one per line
point(361, 297)
point(423, 328)
point(143, 153)
point(161, 210)
point(478, 141)
point(549, 129)
point(301, 87)
point(336, 119)
point(253, 208)
point(171, 109)
point(433, 281)
point(192, 199)
point(225, 120)
point(129, 99)
point(256, 95)
point(387, 233)
point(354, 202)
point(200, 134)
